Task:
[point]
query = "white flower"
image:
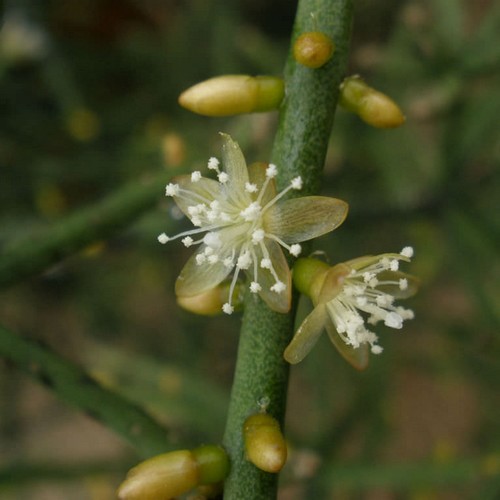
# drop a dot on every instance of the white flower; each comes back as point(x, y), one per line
point(349, 296)
point(246, 225)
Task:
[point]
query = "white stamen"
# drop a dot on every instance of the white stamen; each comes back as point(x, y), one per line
point(213, 163)
point(228, 308)
point(296, 183)
point(187, 241)
point(407, 252)
point(250, 188)
point(195, 176)
point(244, 260)
point(271, 171)
point(295, 250)
point(258, 236)
point(212, 240)
point(172, 189)
point(278, 287)
point(393, 320)
point(265, 263)
point(252, 212)
point(403, 284)
point(255, 287)
point(163, 238)
point(223, 177)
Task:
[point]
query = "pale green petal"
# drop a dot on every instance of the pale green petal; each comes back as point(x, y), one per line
point(367, 260)
point(279, 302)
point(307, 335)
point(193, 193)
point(195, 279)
point(333, 283)
point(358, 357)
point(302, 219)
point(234, 163)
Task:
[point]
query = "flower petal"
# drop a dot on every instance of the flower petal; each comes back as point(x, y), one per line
point(302, 219)
point(367, 260)
point(332, 284)
point(307, 335)
point(279, 302)
point(234, 163)
point(195, 279)
point(358, 357)
point(193, 193)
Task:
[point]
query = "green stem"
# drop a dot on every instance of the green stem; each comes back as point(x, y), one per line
point(33, 254)
point(73, 385)
point(300, 148)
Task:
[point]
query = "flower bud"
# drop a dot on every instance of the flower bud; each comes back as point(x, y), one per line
point(313, 49)
point(171, 474)
point(265, 445)
point(210, 303)
point(161, 477)
point(233, 94)
point(372, 106)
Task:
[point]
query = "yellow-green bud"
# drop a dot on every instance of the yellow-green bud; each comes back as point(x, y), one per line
point(313, 49)
point(213, 463)
point(372, 106)
point(171, 474)
point(210, 303)
point(161, 477)
point(265, 445)
point(234, 94)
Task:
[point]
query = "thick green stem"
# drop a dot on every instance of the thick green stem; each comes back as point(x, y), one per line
point(300, 147)
point(34, 253)
point(73, 385)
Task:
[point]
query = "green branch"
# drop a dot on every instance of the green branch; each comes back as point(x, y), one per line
point(300, 148)
point(34, 253)
point(76, 387)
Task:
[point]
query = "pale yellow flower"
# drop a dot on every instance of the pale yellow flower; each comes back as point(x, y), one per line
point(242, 224)
point(346, 297)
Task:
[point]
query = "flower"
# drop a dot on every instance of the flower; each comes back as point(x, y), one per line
point(346, 297)
point(246, 224)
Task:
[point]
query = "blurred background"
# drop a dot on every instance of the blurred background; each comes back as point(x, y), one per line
point(88, 103)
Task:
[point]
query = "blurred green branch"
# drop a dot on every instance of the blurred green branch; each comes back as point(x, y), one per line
point(75, 386)
point(357, 477)
point(299, 149)
point(33, 253)
point(18, 474)
point(181, 393)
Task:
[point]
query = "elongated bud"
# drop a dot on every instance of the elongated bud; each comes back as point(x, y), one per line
point(210, 303)
point(233, 94)
point(265, 445)
point(170, 474)
point(372, 106)
point(313, 49)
